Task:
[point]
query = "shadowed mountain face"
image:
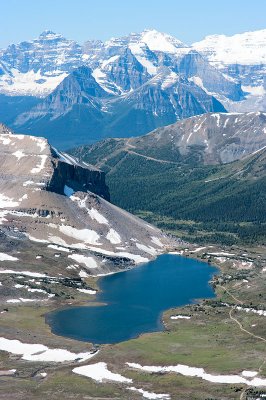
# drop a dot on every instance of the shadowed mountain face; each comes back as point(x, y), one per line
point(79, 110)
point(47, 202)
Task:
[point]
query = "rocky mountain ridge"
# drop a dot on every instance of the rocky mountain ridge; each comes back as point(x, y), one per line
point(47, 204)
point(213, 138)
point(80, 110)
point(124, 86)
point(41, 64)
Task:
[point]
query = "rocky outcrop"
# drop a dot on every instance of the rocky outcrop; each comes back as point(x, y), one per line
point(78, 176)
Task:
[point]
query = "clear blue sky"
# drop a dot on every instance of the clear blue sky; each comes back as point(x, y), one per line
point(188, 20)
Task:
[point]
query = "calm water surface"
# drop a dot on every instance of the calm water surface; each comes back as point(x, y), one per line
point(135, 300)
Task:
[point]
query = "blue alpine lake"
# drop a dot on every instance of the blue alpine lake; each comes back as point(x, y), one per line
point(135, 299)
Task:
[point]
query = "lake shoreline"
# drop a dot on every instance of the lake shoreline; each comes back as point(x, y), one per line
point(188, 293)
point(26, 323)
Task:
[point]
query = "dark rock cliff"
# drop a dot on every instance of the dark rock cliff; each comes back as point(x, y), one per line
point(79, 178)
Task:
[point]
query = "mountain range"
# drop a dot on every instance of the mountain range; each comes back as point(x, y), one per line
point(127, 86)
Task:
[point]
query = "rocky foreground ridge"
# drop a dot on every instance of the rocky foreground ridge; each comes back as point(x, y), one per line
point(51, 222)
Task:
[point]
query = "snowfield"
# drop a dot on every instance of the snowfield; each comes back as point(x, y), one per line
point(99, 372)
point(149, 395)
point(245, 48)
point(39, 352)
point(88, 261)
point(185, 370)
point(6, 257)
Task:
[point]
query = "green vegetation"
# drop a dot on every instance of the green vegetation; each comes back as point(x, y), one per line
point(204, 203)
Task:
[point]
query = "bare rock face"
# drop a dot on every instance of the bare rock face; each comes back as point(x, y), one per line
point(47, 205)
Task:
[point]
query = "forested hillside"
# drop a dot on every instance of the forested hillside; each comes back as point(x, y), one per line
point(218, 203)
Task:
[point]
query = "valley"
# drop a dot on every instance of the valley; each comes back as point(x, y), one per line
point(47, 264)
point(209, 336)
point(132, 217)
point(201, 172)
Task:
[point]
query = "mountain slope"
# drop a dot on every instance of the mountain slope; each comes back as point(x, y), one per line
point(209, 139)
point(184, 180)
point(47, 204)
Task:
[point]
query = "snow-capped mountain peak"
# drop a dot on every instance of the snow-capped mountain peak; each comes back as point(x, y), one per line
point(158, 41)
point(36, 67)
point(50, 35)
point(232, 69)
point(246, 48)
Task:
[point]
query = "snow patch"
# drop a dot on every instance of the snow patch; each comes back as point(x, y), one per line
point(7, 202)
point(59, 248)
point(157, 241)
point(180, 317)
point(88, 261)
point(41, 165)
point(200, 373)
point(113, 237)
point(99, 372)
point(6, 257)
point(150, 395)
point(26, 273)
point(19, 154)
point(41, 353)
point(87, 291)
point(147, 249)
point(85, 235)
point(94, 214)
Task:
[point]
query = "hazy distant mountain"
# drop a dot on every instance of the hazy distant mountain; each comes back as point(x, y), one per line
point(36, 67)
point(141, 81)
point(80, 110)
point(241, 57)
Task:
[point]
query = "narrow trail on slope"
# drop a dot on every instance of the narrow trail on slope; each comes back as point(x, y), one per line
point(230, 294)
point(243, 329)
point(151, 158)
